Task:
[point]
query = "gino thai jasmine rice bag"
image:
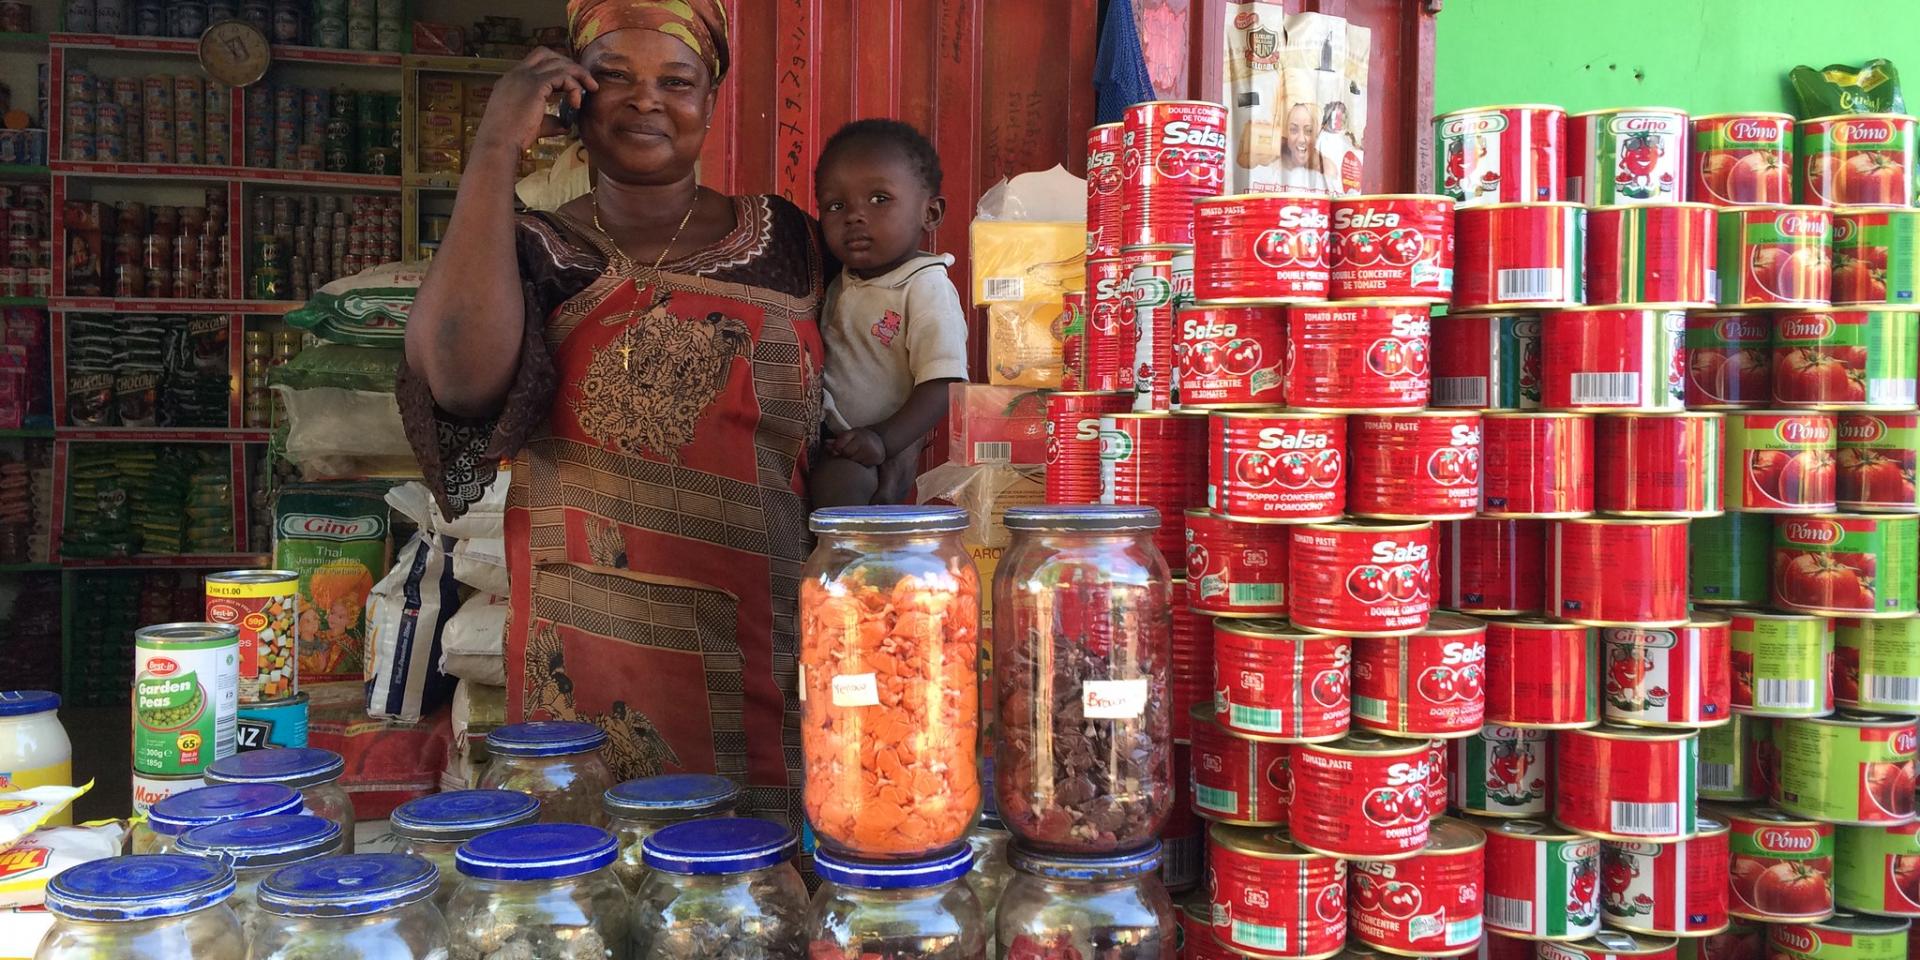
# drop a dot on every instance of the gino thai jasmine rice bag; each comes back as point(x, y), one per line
point(337, 538)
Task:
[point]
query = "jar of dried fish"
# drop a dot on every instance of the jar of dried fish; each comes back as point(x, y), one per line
point(721, 889)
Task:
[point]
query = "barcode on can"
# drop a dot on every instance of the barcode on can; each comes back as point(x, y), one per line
point(1783, 693)
point(1716, 777)
point(1623, 388)
point(1646, 819)
point(1253, 718)
point(1370, 708)
point(226, 741)
point(1509, 913)
point(1255, 593)
point(1535, 283)
point(990, 450)
point(1259, 936)
point(1216, 799)
point(1894, 691)
point(1890, 392)
point(1460, 392)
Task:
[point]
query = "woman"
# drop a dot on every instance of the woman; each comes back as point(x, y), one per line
point(649, 355)
point(1297, 166)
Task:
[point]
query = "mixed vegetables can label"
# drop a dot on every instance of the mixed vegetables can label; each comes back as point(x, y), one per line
point(1729, 360)
point(1501, 772)
point(1844, 937)
point(1856, 359)
point(1781, 866)
point(1427, 684)
point(1727, 756)
point(1775, 256)
point(186, 683)
point(1849, 565)
point(1489, 565)
point(1230, 355)
point(1652, 253)
point(1506, 154)
point(1271, 898)
point(1612, 359)
point(1674, 889)
point(1487, 361)
point(1668, 677)
point(1428, 905)
point(1877, 869)
point(1857, 160)
point(1779, 462)
point(1876, 665)
point(1542, 674)
point(1542, 883)
point(1625, 783)
point(1853, 768)
point(260, 605)
point(1624, 156)
point(1730, 558)
point(1876, 462)
point(1782, 664)
point(1876, 257)
point(1742, 158)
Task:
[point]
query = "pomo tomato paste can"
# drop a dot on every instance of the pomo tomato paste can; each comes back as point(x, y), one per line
point(1854, 768)
point(1847, 564)
point(1669, 677)
point(1501, 772)
point(1543, 883)
point(1519, 256)
point(1782, 664)
point(1487, 361)
point(1728, 755)
point(1504, 154)
point(1428, 905)
point(1627, 155)
point(1729, 361)
point(1236, 568)
point(1857, 160)
point(1860, 359)
point(1422, 465)
point(1876, 665)
point(1732, 559)
point(1395, 246)
point(1492, 566)
point(1651, 253)
point(1430, 684)
point(1659, 465)
point(1845, 937)
point(1611, 571)
point(1275, 682)
point(1106, 352)
point(1362, 797)
point(1272, 898)
point(1626, 783)
point(1362, 578)
point(1781, 865)
point(1542, 674)
point(1536, 465)
point(1237, 779)
point(1104, 144)
point(1230, 355)
point(1073, 443)
point(1277, 465)
point(1742, 158)
point(1774, 256)
point(1779, 461)
point(1609, 945)
point(1262, 246)
point(1611, 360)
point(1672, 889)
point(1155, 460)
point(1359, 356)
point(1876, 257)
point(1877, 869)
point(1876, 462)
point(1173, 153)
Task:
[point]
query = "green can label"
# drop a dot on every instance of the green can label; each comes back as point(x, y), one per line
point(1740, 935)
point(185, 697)
point(1774, 256)
point(1846, 771)
point(1729, 560)
point(1780, 665)
point(1877, 869)
point(1726, 761)
point(1845, 358)
point(1627, 156)
point(1779, 462)
point(1876, 665)
point(1842, 938)
point(1781, 868)
point(1876, 256)
point(1876, 461)
point(1846, 564)
point(1742, 159)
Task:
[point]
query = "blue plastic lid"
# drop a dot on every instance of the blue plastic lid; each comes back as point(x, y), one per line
point(545, 738)
point(462, 814)
point(295, 767)
point(896, 875)
point(888, 519)
point(217, 804)
point(139, 888)
point(1106, 866)
point(710, 847)
point(537, 851)
point(20, 703)
point(349, 886)
point(673, 796)
point(263, 841)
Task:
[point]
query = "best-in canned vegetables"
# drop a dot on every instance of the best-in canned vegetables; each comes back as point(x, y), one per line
point(1073, 443)
point(1857, 160)
point(1672, 889)
point(1421, 465)
point(1774, 256)
point(1845, 937)
point(1492, 566)
point(1487, 361)
point(1230, 355)
point(1536, 465)
point(1392, 245)
point(1876, 462)
point(1609, 945)
point(1430, 684)
point(1360, 356)
point(1846, 359)
point(1876, 257)
point(1361, 797)
point(1503, 154)
point(1876, 665)
point(1625, 155)
point(1277, 465)
point(1852, 565)
point(260, 605)
point(1782, 664)
point(1729, 360)
point(1272, 898)
point(1173, 153)
point(1542, 674)
point(1669, 677)
point(1626, 783)
point(1543, 883)
point(1276, 682)
point(1618, 572)
point(1779, 462)
point(1360, 578)
point(1849, 768)
point(1877, 869)
point(1660, 465)
point(1519, 255)
point(1427, 905)
point(1781, 867)
point(1238, 779)
point(1613, 359)
point(1501, 772)
point(1236, 568)
point(1652, 253)
point(186, 679)
point(1742, 158)
point(1262, 246)
point(1731, 559)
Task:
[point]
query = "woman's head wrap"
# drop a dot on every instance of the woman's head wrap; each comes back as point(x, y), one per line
point(700, 24)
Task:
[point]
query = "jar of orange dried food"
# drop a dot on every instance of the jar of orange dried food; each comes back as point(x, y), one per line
point(889, 681)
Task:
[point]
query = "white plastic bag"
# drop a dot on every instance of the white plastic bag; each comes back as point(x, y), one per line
point(406, 616)
point(474, 645)
point(482, 564)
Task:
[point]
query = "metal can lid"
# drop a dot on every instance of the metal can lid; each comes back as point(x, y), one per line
point(896, 874)
point(673, 796)
point(714, 847)
point(888, 519)
point(1531, 829)
point(1862, 923)
point(1617, 943)
point(263, 841)
point(1453, 835)
point(1367, 743)
point(143, 887)
point(1083, 518)
point(1614, 731)
point(537, 851)
point(295, 767)
point(462, 814)
point(1266, 843)
point(253, 576)
point(1447, 623)
point(545, 738)
point(1271, 629)
point(1465, 111)
point(1763, 814)
point(21, 703)
point(1860, 718)
point(1365, 526)
point(164, 633)
point(348, 886)
point(217, 804)
point(1095, 867)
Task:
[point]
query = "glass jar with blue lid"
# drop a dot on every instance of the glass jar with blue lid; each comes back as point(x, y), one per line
point(636, 809)
point(557, 762)
point(169, 818)
point(541, 890)
point(991, 870)
point(312, 771)
point(922, 909)
point(160, 907)
point(1107, 905)
point(721, 888)
point(369, 906)
point(435, 826)
point(257, 846)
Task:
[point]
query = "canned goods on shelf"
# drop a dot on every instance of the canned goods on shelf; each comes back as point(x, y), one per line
point(1781, 866)
point(1230, 355)
point(1875, 462)
point(1543, 883)
point(1627, 155)
point(1359, 578)
point(1618, 571)
point(1501, 154)
point(1519, 256)
point(1782, 664)
point(1774, 256)
point(1273, 898)
point(1669, 677)
point(1492, 566)
point(1858, 160)
point(1742, 158)
point(1626, 783)
point(1269, 248)
point(1542, 674)
point(1729, 360)
point(1360, 356)
point(1501, 772)
point(1238, 779)
point(1613, 359)
point(1416, 465)
point(1846, 359)
point(1277, 466)
point(1876, 665)
point(1609, 945)
point(1659, 465)
point(1277, 682)
point(1426, 905)
point(1651, 253)
point(1236, 568)
point(1847, 565)
point(1427, 685)
point(1174, 154)
point(1487, 361)
point(1361, 797)
point(1876, 257)
point(1536, 465)
point(1847, 769)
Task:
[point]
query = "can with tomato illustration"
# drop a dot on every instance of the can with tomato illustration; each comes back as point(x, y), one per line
point(1437, 777)
point(1774, 256)
point(1728, 754)
point(1073, 443)
point(1542, 674)
point(1397, 246)
point(1502, 154)
point(1427, 905)
point(1190, 671)
point(1876, 257)
point(1150, 291)
point(1877, 869)
point(1672, 889)
point(1781, 865)
point(1236, 568)
point(1230, 355)
point(1730, 560)
point(1430, 684)
point(1672, 677)
point(1626, 155)
point(1501, 772)
point(1275, 682)
point(1859, 359)
point(1742, 158)
point(1845, 937)
point(1876, 665)
point(1536, 465)
point(1779, 461)
point(1782, 664)
point(1606, 572)
point(1487, 361)
point(1267, 247)
point(1613, 359)
point(1238, 779)
point(1104, 144)
point(1373, 579)
point(1363, 797)
point(1173, 153)
point(1847, 564)
point(1519, 256)
point(1853, 768)
point(1876, 462)
point(1360, 356)
point(1277, 465)
point(1417, 465)
point(1651, 253)
point(1659, 465)
point(1625, 783)
point(1106, 351)
point(1542, 883)
point(1610, 945)
point(1492, 566)
point(1273, 898)
point(1155, 460)
point(1729, 360)
point(1197, 941)
point(1857, 160)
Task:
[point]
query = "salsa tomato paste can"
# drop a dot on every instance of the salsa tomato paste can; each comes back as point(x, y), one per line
point(1857, 160)
point(1506, 154)
point(1608, 360)
point(1618, 572)
point(1272, 898)
point(1262, 246)
point(1238, 779)
point(1877, 869)
point(1190, 671)
point(1876, 257)
point(275, 724)
point(1742, 158)
point(1854, 768)
point(1627, 155)
point(1430, 684)
point(1173, 153)
point(1669, 677)
point(1487, 361)
point(1230, 355)
point(1519, 255)
point(1417, 465)
point(1672, 889)
point(1150, 291)
point(1104, 144)
point(1728, 754)
point(1876, 462)
point(1774, 256)
point(1360, 356)
point(1275, 682)
point(1492, 566)
point(1876, 665)
point(1845, 937)
point(1437, 777)
point(1659, 465)
point(1428, 905)
point(1729, 360)
point(1536, 465)
point(1625, 783)
point(1397, 246)
point(1731, 559)
point(1155, 460)
point(1197, 941)
point(1858, 359)
point(1361, 578)
point(1106, 353)
point(1780, 461)
point(1610, 945)
point(1362, 797)
point(1782, 664)
point(1501, 772)
point(1073, 443)
point(1236, 568)
point(1277, 465)
point(1651, 253)
point(260, 605)
point(1781, 865)
point(1542, 883)
point(186, 679)
point(1847, 564)
point(1542, 674)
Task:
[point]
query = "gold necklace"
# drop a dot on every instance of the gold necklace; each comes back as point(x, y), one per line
point(659, 291)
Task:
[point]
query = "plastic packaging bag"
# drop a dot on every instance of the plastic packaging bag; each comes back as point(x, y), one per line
point(407, 612)
point(41, 855)
point(335, 537)
point(482, 565)
point(368, 309)
point(474, 644)
point(23, 811)
point(1873, 88)
point(1028, 243)
point(342, 418)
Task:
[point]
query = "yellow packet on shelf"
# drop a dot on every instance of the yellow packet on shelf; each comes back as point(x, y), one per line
point(23, 811)
point(1026, 261)
point(41, 855)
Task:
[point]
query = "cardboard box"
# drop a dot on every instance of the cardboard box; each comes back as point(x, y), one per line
point(994, 424)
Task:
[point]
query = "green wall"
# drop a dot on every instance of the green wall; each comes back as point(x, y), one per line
point(1702, 56)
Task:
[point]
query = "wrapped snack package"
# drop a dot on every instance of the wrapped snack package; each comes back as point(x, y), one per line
point(41, 855)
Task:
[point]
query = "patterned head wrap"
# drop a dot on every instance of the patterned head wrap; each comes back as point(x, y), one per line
point(700, 24)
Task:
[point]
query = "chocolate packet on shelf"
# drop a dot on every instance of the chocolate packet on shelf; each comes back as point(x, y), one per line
point(1871, 88)
point(90, 397)
point(136, 394)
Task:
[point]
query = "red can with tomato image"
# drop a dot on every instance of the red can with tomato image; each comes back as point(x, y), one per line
point(1610, 572)
point(1104, 144)
point(1073, 443)
point(1498, 946)
point(1781, 866)
point(1492, 566)
point(1613, 359)
point(1363, 797)
point(1230, 355)
point(1422, 465)
point(1155, 460)
point(1358, 357)
point(1501, 772)
point(1651, 253)
point(1536, 465)
point(1542, 674)
point(1501, 154)
point(1779, 462)
point(1621, 155)
point(1626, 783)
point(1190, 672)
point(1487, 361)
point(1729, 360)
point(1437, 777)
point(1430, 684)
point(1610, 945)
point(1858, 359)
point(1197, 941)
point(1847, 564)
point(1395, 246)
point(1371, 579)
point(1269, 247)
point(1428, 905)
point(1876, 462)
point(1238, 568)
point(1150, 286)
point(1677, 677)
point(1268, 890)
point(1671, 889)
point(1519, 256)
point(1238, 779)
point(1542, 883)
point(1659, 465)
point(1106, 350)
point(1858, 160)
point(1742, 158)
point(1774, 256)
point(1277, 465)
point(1275, 682)
point(1173, 153)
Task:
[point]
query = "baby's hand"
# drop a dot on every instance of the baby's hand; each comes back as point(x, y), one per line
point(861, 445)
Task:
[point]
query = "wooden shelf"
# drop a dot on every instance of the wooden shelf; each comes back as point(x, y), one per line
point(23, 302)
point(161, 435)
point(280, 178)
point(177, 47)
point(20, 171)
point(26, 433)
point(187, 561)
point(23, 41)
point(112, 305)
point(429, 64)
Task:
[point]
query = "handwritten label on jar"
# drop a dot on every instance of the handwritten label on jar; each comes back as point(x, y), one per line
point(856, 690)
point(1113, 699)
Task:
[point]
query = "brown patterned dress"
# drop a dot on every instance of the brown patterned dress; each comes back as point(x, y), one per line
point(656, 521)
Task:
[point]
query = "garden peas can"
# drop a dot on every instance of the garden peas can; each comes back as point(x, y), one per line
point(260, 605)
point(1730, 559)
point(1729, 362)
point(1779, 462)
point(1851, 768)
point(1627, 155)
point(1845, 937)
point(1847, 564)
point(1876, 665)
point(1542, 883)
point(186, 679)
point(1877, 869)
point(1782, 664)
point(1774, 256)
point(1501, 772)
point(1846, 359)
point(1742, 158)
point(1876, 257)
point(1857, 160)
point(1672, 889)
point(1781, 866)
point(1876, 462)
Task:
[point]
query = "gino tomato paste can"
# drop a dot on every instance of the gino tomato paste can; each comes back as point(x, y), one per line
point(1487, 361)
point(1173, 153)
point(1781, 865)
point(1238, 779)
point(1277, 465)
point(1397, 246)
point(1651, 253)
point(1519, 256)
point(1501, 772)
point(1607, 360)
point(1672, 889)
point(1427, 905)
point(1236, 568)
point(1627, 155)
point(1877, 869)
point(1857, 160)
point(1536, 465)
point(1417, 465)
point(1731, 559)
point(1267, 247)
point(1626, 783)
point(1430, 684)
point(1609, 945)
point(1876, 665)
point(1073, 443)
point(1490, 566)
point(1861, 359)
point(1729, 360)
point(1847, 564)
point(1504, 154)
point(1845, 937)
point(1669, 677)
point(1230, 355)
point(1359, 356)
point(1659, 465)
point(1542, 883)
point(1104, 143)
point(1155, 460)
point(1107, 347)
point(1774, 256)
point(1779, 461)
point(1275, 682)
point(1876, 257)
point(1854, 768)
point(1782, 664)
point(1542, 674)
point(1606, 572)
point(1273, 898)
point(1361, 578)
point(1876, 462)
point(1363, 797)
point(1742, 158)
